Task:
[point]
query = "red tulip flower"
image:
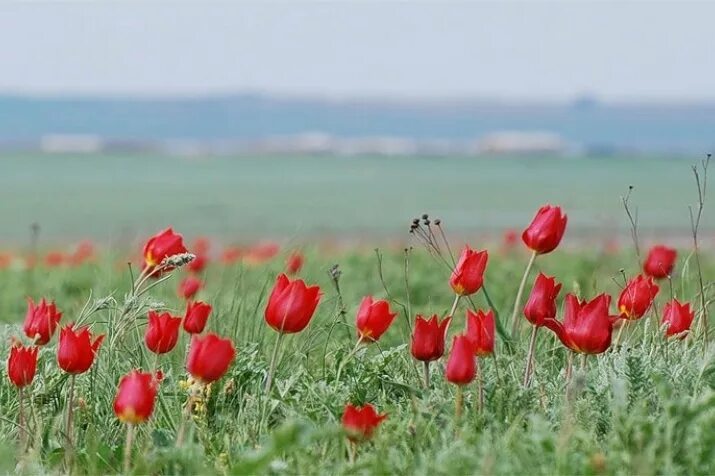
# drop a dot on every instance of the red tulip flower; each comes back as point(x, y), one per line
point(542, 301)
point(637, 297)
point(54, 259)
point(198, 264)
point(360, 422)
point(660, 262)
point(76, 351)
point(197, 313)
point(135, 398)
point(162, 246)
point(468, 275)
point(294, 263)
point(41, 321)
point(509, 239)
point(231, 255)
point(189, 286)
point(587, 327)
point(480, 331)
point(201, 245)
point(209, 357)
point(291, 305)
point(678, 318)
point(461, 365)
point(162, 332)
point(21, 365)
point(547, 228)
point(428, 338)
point(373, 319)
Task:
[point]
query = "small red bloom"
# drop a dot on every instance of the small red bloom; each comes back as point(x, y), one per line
point(135, 398)
point(660, 262)
point(373, 319)
point(209, 357)
point(587, 328)
point(21, 365)
point(542, 301)
point(161, 246)
point(468, 276)
point(198, 264)
point(360, 422)
point(76, 351)
point(261, 253)
point(201, 245)
point(197, 313)
point(461, 365)
point(41, 321)
point(294, 263)
point(547, 228)
point(637, 297)
point(162, 332)
point(510, 238)
point(291, 305)
point(54, 259)
point(231, 254)
point(428, 338)
point(678, 318)
point(189, 286)
point(480, 331)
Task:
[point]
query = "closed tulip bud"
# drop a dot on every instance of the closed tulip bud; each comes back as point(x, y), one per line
point(76, 351)
point(373, 319)
point(162, 332)
point(197, 313)
point(542, 301)
point(360, 422)
point(547, 228)
point(135, 398)
point(161, 246)
point(21, 365)
point(428, 338)
point(678, 317)
point(480, 331)
point(294, 263)
point(41, 321)
point(587, 327)
point(637, 297)
point(189, 286)
point(461, 365)
point(209, 357)
point(291, 305)
point(660, 262)
point(198, 264)
point(468, 275)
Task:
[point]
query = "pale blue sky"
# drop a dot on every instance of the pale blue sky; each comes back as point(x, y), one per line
point(618, 50)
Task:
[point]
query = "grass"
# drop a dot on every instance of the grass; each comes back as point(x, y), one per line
point(644, 407)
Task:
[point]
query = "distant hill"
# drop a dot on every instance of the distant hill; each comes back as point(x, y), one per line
point(586, 123)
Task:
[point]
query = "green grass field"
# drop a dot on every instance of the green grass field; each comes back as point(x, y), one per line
point(644, 407)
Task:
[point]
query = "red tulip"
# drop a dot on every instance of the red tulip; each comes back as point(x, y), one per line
point(547, 228)
point(294, 263)
point(542, 301)
point(41, 321)
point(189, 286)
point(197, 313)
point(660, 262)
point(373, 319)
point(76, 351)
point(510, 239)
point(54, 259)
point(587, 327)
point(428, 338)
point(678, 317)
point(480, 331)
point(162, 246)
point(135, 398)
point(21, 365)
point(201, 245)
point(637, 297)
point(261, 253)
point(231, 254)
point(468, 275)
point(291, 305)
point(162, 332)
point(360, 422)
point(198, 264)
point(209, 357)
point(461, 365)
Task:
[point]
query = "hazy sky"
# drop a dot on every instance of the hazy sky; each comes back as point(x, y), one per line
point(623, 50)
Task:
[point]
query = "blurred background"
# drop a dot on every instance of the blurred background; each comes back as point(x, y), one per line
point(343, 121)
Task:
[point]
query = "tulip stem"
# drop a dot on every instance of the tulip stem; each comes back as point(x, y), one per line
point(620, 331)
point(347, 358)
point(519, 293)
point(480, 388)
point(128, 448)
point(458, 404)
point(569, 372)
point(530, 358)
point(426, 374)
point(68, 425)
point(457, 297)
point(274, 362)
point(21, 418)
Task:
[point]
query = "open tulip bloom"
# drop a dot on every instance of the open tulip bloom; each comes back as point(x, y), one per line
point(587, 327)
point(637, 297)
point(660, 262)
point(428, 341)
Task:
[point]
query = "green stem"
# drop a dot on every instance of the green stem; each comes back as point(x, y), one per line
point(530, 358)
point(68, 425)
point(274, 362)
point(520, 292)
point(128, 448)
point(426, 374)
point(347, 358)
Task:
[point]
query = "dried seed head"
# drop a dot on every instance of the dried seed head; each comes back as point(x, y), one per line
point(425, 216)
point(335, 272)
point(415, 221)
point(177, 261)
point(437, 221)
